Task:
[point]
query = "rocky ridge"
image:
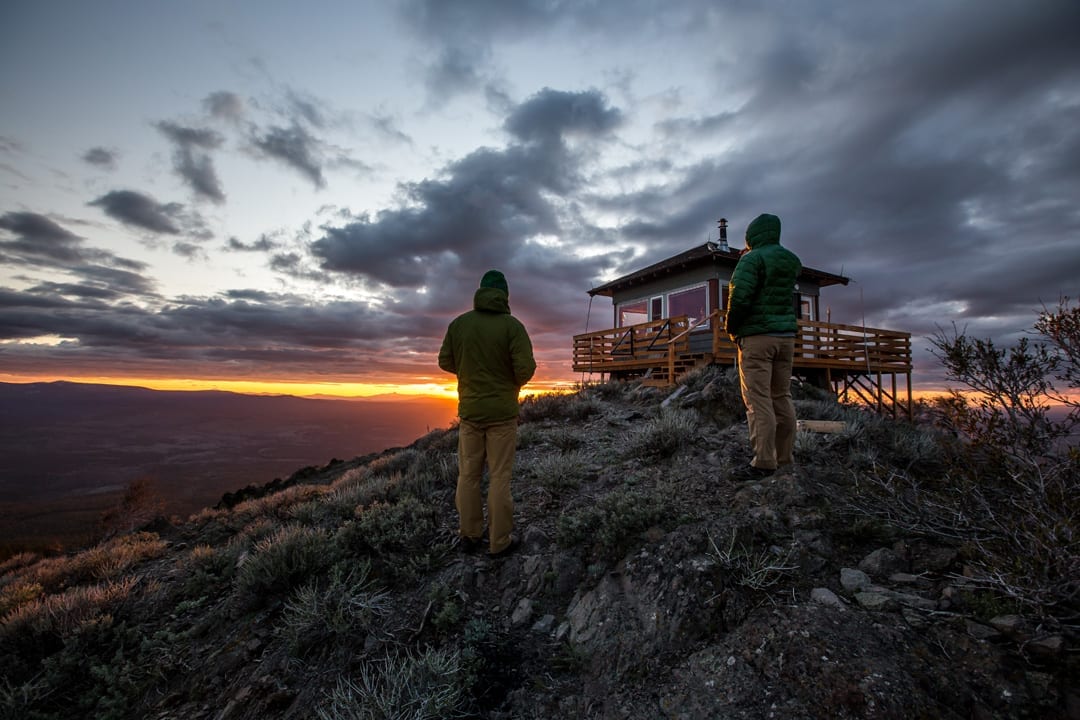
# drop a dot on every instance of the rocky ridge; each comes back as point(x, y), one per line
point(648, 585)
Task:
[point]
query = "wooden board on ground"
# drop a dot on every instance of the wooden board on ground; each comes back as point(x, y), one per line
point(821, 426)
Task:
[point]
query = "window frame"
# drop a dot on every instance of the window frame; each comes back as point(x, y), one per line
point(703, 286)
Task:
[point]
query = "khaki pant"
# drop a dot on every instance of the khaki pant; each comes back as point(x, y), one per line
point(765, 380)
point(496, 443)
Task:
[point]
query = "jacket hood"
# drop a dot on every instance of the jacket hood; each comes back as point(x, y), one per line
point(764, 230)
point(489, 299)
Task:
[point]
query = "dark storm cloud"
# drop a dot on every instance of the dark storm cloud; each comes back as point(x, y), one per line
point(296, 148)
point(190, 161)
point(485, 206)
point(42, 243)
point(279, 335)
point(141, 211)
point(37, 235)
point(101, 157)
point(553, 114)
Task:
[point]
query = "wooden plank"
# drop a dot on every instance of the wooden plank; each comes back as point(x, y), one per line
point(821, 426)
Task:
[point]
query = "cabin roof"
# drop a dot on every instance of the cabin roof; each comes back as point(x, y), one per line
point(708, 254)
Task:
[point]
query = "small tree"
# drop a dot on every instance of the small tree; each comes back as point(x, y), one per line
point(1006, 409)
point(1062, 329)
point(1014, 500)
point(139, 505)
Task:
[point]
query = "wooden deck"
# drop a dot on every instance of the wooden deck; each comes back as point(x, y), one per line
point(860, 364)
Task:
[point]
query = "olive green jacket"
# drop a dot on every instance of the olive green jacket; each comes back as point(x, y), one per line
point(761, 292)
point(491, 354)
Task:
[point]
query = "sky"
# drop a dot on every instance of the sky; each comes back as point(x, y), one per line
point(300, 196)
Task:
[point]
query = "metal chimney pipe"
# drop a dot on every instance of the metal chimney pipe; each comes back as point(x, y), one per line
point(723, 234)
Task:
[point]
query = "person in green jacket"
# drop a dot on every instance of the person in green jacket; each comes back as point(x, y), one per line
point(491, 354)
point(761, 320)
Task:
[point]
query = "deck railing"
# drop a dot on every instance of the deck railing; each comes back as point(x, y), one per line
point(660, 343)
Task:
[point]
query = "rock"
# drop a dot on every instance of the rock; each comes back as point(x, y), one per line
point(535, 539)
point(933, 560)
point(908, 579)
point(1047, 647)
point(980, 631)
point(854, 580)
point(825, 596)
point(881, 563)
point(544, 624)
point(522, 612)
point(874, 601)
point(1009, 625)
point(912, 600)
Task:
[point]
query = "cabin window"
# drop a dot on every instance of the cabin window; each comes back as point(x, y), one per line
point(807, 307)
point(656, 310)
point(633, 313)
point(692, 302)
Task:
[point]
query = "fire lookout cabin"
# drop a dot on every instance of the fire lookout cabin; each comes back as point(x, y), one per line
point(669, 319)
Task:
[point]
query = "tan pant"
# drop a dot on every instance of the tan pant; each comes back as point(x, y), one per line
point(496, 443)
point(765, 380)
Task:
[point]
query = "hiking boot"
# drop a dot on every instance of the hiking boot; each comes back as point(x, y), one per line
point(749, 473)
point(515, 543)
point(471, 546)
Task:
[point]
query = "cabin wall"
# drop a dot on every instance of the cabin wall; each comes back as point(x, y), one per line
point(717, 280)
point(669, 283)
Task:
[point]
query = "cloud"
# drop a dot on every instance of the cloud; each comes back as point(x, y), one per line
point(264, 243)
point(294, 147)
point(553, 115)
point(225, 106)
point(39, 236)
point(306, 109)
point(195, 168)
point(42, 243)
point(141, 211)
point(388, 127)
point(272, 335)
point(456, 71)
point(103, 158)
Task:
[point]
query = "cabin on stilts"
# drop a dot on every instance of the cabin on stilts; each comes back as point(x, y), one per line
point(669, 319)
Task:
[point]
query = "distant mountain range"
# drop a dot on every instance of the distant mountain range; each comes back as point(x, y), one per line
point(68, 450)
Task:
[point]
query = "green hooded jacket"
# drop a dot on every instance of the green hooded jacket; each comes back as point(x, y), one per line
point(760, 295)
point(491, 354)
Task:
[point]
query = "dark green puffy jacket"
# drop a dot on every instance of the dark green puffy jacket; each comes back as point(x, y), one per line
point(761, 292)
point(491, 354)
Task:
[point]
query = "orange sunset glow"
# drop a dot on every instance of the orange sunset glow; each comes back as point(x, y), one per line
point(299, 388)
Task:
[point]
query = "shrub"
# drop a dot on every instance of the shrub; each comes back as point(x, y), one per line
point(16, 595)
point(402, 536)
point(346, 604)
point(282, 561)
point(61, 614)
point(416, 686)
point(105, 561)
point(754, 569)
point(663, 435)
point(556, 471)
point(610, 390)
point(614, 525)
point(558, 406)
point(209, 570)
